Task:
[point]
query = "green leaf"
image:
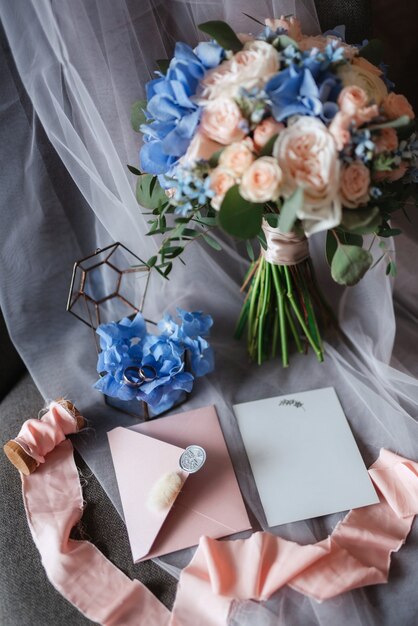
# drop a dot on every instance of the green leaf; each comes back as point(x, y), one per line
point(138, 115)
point(272, 219)
point(212, 242)
point(250, 250)
point(400, 122)
point(331, 245)
point(373, 51)
point(149, 194)
point(389, 232)
point(267, 149)
point(290, 209)
point(238, 217)
point(170, 252)
point(391, 269)
point(284, 41)
point(134, 170)
point(361, 221)
point(349, 264)
point(162, 65)
point(152, 261)
point(223, 34)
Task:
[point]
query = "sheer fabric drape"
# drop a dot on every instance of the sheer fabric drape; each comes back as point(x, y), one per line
point(82, 63)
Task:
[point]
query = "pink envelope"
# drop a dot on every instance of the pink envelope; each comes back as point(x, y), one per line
point(210, 502)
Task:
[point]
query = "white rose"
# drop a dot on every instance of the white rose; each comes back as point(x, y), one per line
point(222, 121)
point(307, 155)
point(251, 67)
point(261, 182)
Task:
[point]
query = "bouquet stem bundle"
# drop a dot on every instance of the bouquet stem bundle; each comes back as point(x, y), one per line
point(283, 304)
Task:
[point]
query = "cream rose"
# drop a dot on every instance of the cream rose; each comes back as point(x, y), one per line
point(221, 179)
point(222, 121)
point(354, 185)
point(386, 141)
point(307, 155)
point(261, 182)
point(265, 131)
point(250, 67)
point(395, 105)
point(201, 147)
point(237, 157)
point(370, 82)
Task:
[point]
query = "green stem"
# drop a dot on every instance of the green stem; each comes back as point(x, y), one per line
point(266, 295)
point(299, 346)
point(282, 320)
point(300, 319)
point(253, 300)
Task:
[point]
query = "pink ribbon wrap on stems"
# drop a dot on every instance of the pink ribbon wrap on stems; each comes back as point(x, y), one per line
point(357, 553)
point(284, 248)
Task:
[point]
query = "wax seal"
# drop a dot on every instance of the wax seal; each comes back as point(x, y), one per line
point(192, 459)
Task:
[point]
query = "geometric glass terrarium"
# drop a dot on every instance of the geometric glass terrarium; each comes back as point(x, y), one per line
point(106, 286)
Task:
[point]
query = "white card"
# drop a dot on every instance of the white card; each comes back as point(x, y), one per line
point(303, 455)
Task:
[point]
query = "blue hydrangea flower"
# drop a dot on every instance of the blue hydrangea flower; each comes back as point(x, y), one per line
point(178, 347)
point(173, 115)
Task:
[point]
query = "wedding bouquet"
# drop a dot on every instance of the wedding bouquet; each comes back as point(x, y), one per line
point(274, 137)
point(157, 369)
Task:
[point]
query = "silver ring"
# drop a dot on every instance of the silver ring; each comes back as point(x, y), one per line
point(132, 376)
point(147, 373)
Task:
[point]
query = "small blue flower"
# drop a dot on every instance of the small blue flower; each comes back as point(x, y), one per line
point(195, 323)
point(202, 357)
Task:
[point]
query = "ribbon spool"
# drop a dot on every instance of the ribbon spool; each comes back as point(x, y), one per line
point(39, 437)
point(284, 248)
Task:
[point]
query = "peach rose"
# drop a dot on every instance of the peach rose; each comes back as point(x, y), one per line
point(392, 175)
point(354, 185)
point(237, 157)
point(261, 182)
point(395, 105)
point(201, 147)
point(351, 99)
point(307, 155)
point(340, 129)
point(221, 179)
point(386, 141)
point(360, 76)
point(222, 121)
point(291, 24)
point(250, 67)
point(265, 131)
point(366, 65)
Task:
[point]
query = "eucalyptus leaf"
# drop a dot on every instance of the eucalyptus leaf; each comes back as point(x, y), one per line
point(238, 217)
point(349, 264)
point(361, 221)
point(290, 209)
point(272, 219)
point(149, 194)
point(250, 250)
point(212, 242)
point(223, 34)
point(400, 122)
point(138, 115)
point(373, 51)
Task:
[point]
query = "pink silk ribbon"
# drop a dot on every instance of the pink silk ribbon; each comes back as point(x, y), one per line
point(356, 554)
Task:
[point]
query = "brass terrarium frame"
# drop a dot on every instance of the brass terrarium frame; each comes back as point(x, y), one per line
point(98, 295)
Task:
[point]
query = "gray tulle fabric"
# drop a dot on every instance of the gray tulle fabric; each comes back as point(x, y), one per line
point(82, 63)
